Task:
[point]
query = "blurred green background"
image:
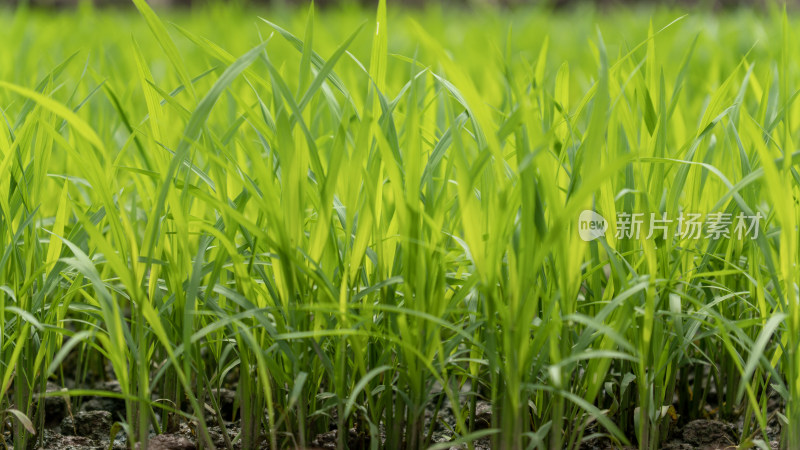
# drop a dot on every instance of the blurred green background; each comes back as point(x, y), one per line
point(705, 4)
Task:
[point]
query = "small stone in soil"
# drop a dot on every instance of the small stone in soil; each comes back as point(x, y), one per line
point(483, 415)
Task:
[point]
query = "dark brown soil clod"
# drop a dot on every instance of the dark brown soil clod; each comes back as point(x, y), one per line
point(170, 442)
point(91, 424)
point(709, 434)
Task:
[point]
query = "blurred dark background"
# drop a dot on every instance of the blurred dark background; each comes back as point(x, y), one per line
point(714, 4)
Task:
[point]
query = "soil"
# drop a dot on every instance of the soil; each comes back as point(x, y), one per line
point(701, 434)
point(91, 426)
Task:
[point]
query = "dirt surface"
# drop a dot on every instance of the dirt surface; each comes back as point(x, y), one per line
point(705, 435)
point(702, 434)
point(92, 424)
point(91, 427)
point(171, 442)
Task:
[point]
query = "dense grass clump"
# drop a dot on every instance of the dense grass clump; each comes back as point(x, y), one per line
point(353, 222)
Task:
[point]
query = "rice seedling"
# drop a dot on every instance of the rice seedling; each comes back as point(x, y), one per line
point(394, 228)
